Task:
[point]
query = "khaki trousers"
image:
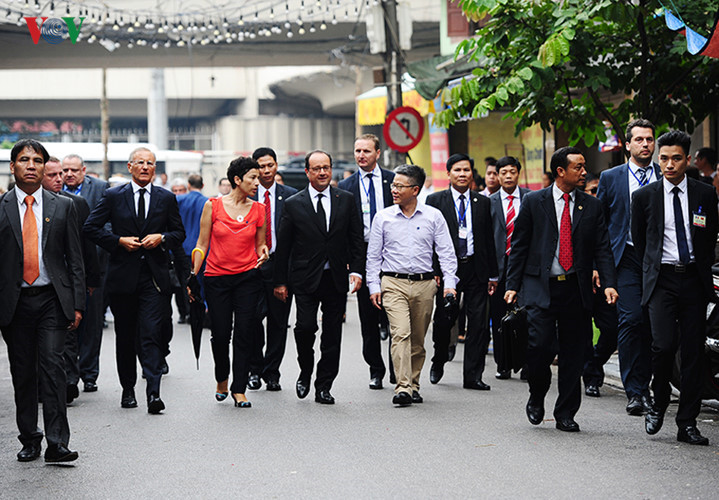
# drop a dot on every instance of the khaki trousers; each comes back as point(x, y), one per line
point(409, 308)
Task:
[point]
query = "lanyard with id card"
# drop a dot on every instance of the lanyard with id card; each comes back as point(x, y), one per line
point(699, 219)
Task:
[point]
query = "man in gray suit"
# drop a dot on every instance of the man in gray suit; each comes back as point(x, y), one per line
point(90, 337)
point(42, 295)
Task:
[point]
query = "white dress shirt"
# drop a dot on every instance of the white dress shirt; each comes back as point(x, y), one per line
point(633, 176)
point(136, 196)
point(261, 190)
point(326, 204)
point(558, 196)
point(44, 278)
point(670, 247)
point(516, 202)
point(467, 216)
point(364, 196)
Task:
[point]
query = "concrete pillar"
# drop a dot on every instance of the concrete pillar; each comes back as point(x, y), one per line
point(157, 123)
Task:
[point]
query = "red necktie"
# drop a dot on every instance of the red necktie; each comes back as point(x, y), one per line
point(268, 220)
point(510, 223)
point(31, 264)
point(566, 254)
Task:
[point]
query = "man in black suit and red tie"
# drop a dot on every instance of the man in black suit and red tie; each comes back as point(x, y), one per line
point(319, 256)
point(559, 238)
point(42, 296)
point(145, 221)
point(674, 228)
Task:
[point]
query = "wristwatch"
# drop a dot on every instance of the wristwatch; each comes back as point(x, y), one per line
point(164, 238)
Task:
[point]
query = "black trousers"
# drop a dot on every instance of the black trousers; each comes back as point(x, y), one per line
point(605, 317)
point(333, 303)
point(72, 350)
point(238, 297)
point(89, 336)
point(564, 328)
point(476, 340)
point(35, 340)
point(678, 301)
point(497, 311)
point(267, 365)
point(139, 331)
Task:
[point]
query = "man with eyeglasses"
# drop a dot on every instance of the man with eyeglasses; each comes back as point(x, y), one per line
point(145, 222)
point(401, 276)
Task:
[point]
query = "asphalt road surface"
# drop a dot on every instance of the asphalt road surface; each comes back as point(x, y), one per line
point(458, 444)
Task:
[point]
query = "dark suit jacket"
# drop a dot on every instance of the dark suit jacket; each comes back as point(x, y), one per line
point(499, 224)
point(92, 190)
point(613, 192)
point(485, 261)
point(535, 240)
point(117, 206)
point(282, 193)
point(303, 245)
point(89, 252)
point(352, 184)
point(61, 253)
point(648, 232)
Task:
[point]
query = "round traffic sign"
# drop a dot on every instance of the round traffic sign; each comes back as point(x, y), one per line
point(403, 129)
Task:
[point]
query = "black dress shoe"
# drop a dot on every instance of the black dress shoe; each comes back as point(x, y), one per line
point(535, 413)
point(402, 399)
point(416, 398)
point(59, 453)
point(254, 382)
point(690, 434)
point(567, 425)
point(383, 332)
point(375, 383)
point(302, 388)
point(653, 421)
point(29, 452)
point(72, 393)
point(647, 403)
point(128, 399)
point(477, 385)
point(155, 404)
point(436, 372)
point(324, 397)
point(273, 385)
point(165, 368)
point(451, 351)
point(182, 320)
point(635, 407)
point(392, 378)
point(592, 391)
point(503, 374)
point(90, 387)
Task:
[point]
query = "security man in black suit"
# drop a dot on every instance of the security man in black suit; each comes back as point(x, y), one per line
point(145, 222)
point(674, 228)
point(320, 238)
point(469, 221)
point(559, 238)
point(42, 296)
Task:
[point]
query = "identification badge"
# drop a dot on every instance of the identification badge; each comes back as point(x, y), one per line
point(365, 208)
point(462, 233)
point(699, 220)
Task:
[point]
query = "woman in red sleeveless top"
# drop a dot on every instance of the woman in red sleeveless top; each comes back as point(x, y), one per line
point(233, 228)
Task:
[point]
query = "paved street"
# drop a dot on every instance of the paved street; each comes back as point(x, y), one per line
point(459, 443)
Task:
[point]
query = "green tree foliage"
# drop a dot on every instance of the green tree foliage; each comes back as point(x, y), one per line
point(574, 63)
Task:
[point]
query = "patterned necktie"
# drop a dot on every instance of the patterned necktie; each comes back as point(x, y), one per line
point(462, 223)
point(141, 207)
point(679, 227)
point(566, 254)
point(510, 223)
point(372, 199)
point(268, 220)
point(643, 176)
point(321, 215)
point(31, 263)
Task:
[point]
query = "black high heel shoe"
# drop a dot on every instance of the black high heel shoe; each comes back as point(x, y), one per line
point(221, 396)
point(241, 404)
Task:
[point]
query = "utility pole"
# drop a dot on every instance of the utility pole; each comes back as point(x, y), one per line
point(105, 125)
point(393, 65)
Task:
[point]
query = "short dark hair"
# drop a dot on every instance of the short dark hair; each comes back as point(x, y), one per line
point(32, 144)
point(195, 181)
point(264, 151)
point(219, 183)
point(641, 123)
point(490, 160)
point(307, 157)
point(413, 172)
point(708, 154)
point(675, 138)
point(456, 158)
point(508, 160)
point(239, 167)
point(369, 137)
point(559, 158)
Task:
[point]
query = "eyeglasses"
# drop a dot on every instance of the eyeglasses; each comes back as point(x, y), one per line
point(142, 163)
point(401, 186)
point(320, 169)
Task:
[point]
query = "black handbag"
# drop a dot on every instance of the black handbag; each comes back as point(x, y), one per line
point(515, 335)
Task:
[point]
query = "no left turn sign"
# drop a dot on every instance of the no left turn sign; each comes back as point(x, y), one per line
point(403, 129)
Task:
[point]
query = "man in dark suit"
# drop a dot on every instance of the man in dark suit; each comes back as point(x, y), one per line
point(77, 182)
point(674, 227)
point(615, 190)
point(42, 296)
point(145, 221)
point(370, 186)
point(469, 221)
point(320, 237)
point(52, 181)
point(559, 238)
point(505, 206)
point(273, 196)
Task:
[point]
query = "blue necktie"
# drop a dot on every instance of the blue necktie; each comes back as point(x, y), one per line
point(462, 223)
point(372, 200)
point(643, 176)
point(679, 226)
